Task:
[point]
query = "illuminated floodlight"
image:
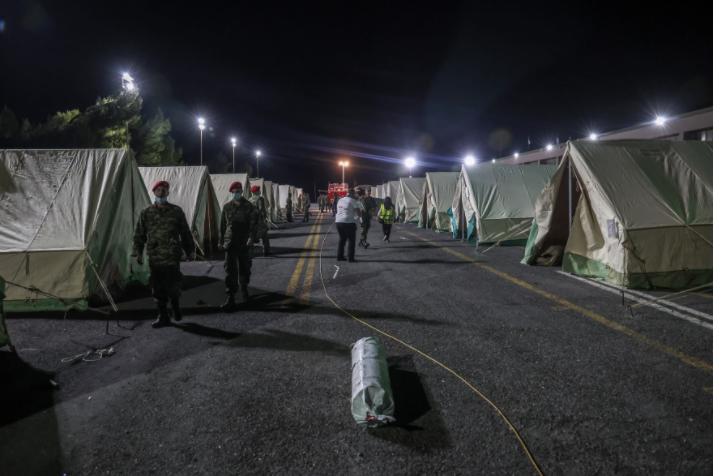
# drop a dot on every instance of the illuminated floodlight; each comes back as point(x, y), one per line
point(127, 77)
point(201, 120)
point(410, 162)
point(343, 164)
point(127, 82)
point(516, 155)
point(469, 160)
point(592, 136)
point(549, 147)
point(660, 120)
point(233, 141)
point(494, 160)
point(258, 153)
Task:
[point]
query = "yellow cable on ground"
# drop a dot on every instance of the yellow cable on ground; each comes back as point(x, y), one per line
point(514, 430)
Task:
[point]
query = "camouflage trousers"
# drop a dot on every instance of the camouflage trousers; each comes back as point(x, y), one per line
point(364, 226)
point(238, 268)
point(263, 237)
point(165, 281)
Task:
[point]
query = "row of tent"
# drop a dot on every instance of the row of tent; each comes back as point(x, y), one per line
point(67, 220)
point(636, 213)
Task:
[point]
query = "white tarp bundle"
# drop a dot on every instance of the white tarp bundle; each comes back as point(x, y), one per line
point(222, 182)
point(643, 213)
point(190, 188)
point(371, 396)
point(436, 200)
point(61, 211)
point(409, 198)
point(498, 200)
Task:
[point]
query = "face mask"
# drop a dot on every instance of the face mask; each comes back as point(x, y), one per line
point(160, 200)
point(237, 196)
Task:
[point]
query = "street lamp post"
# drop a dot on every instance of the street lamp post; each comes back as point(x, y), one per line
point(344, 165)
point(233, 154)
point(410, 163)
point(258, 154)
point(201, 141)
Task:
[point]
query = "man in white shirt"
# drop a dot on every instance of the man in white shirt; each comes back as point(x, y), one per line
point(348, 207)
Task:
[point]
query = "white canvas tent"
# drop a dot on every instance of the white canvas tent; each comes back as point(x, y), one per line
point(61, 212)
point(284, 192)
point(642, 213)
point(392, 190)
point(276, 200)
point(436, 200)
point(222, 182)
point(498, 200)
point(270, 199)
point(409, 198)
point(190, 188)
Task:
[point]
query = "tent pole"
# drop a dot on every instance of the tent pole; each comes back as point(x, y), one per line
point(569, 165)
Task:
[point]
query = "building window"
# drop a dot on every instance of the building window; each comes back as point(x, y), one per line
point(703, 134)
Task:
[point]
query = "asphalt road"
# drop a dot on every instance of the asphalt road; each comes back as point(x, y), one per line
point(591, 388)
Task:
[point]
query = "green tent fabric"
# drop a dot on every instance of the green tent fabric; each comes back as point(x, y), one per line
point(68, 216)
point(436, 200)
point(642, 213)
point(409, 198)
point(191, 188)
point(498, 200)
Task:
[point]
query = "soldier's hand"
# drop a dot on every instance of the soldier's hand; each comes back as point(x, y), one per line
point(221, 247)
point(249, 242)
point(139, 259)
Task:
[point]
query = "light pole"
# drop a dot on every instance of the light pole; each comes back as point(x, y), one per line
point(344, 165)
point(233, 154)
point(410, 163)
point(258, 154)
point(201, 141)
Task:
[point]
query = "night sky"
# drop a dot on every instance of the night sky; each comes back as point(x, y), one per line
point(313, 82)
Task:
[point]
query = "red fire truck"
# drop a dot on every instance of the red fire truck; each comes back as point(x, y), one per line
point(340, 188)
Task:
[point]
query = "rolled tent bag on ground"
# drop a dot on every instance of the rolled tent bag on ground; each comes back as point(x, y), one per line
point(371, 397)
point(641, 216)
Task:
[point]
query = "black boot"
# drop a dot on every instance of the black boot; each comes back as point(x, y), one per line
point(360, 243)
point(266, 251)
point(245, 292)
point(163, 318)
point(229, 305)
point(176, 310)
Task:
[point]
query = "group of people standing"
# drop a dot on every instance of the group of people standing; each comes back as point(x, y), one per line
point(162, 230)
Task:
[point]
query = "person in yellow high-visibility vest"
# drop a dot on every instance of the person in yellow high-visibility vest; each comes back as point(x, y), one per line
point(386, 216)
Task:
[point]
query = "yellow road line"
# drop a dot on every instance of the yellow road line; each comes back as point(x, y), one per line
point(699, 364)
point(308, 279)
point(293, 284)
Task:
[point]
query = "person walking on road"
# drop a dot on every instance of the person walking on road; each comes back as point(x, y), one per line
point(347, 207)
point(369, 205)
point(239, 232)
point(163, 231)
point(386, 216)
point(322, 203)
point(260, 204)
point(289, 210)
point(306, 202)
point(334, 206)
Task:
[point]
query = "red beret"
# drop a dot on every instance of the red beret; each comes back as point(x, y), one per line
point(255, 188)
point(161, 183)
point(235, 185)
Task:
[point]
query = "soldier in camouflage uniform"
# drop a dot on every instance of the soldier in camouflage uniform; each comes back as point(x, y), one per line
point(239, 232)
point(306, 203)
point(163, 230)
point(260, 204)
point(320, 203)
point(369, 205)
point(289, 209)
